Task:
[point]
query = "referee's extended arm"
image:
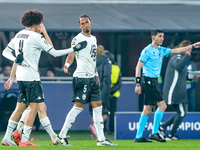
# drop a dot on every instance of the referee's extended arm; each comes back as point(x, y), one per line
point(186, 48)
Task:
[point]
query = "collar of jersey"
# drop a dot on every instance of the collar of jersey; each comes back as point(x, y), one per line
point(155, 48)
point(85, 35)
point(31, 30)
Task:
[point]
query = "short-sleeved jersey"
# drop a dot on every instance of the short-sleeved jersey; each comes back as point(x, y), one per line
point(85, 58)
point(31, 44)
point(152, 59)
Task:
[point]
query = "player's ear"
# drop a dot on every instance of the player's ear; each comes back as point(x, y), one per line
point(153, 37)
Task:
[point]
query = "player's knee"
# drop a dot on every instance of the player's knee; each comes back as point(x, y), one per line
point(96, 104)
point(164, 106)
point(19, 110)
point(147, 110)
point(42, 108)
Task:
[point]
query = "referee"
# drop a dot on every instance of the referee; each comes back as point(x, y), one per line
point(150, 62)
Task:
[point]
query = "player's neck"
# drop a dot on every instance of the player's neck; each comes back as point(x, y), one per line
point(31, 28)
point(87, 33)
point(154, 45)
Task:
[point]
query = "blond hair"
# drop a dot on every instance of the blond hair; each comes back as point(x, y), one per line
point(100, 50)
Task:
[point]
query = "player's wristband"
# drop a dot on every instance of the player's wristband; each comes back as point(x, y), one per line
point(96, 74)
point(138, 81)
point(193, 46)
point(67, 65)
point(137, 84)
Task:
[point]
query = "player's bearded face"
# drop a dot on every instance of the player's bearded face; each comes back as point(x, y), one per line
point(85, 25)
point(86, 30)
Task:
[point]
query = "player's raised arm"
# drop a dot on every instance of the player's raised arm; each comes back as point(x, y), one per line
point(56, 53)
point(43, 30)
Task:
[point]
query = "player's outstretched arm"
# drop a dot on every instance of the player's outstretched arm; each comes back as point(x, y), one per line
point(186, 48)
point(57, 53)
point(78, 47)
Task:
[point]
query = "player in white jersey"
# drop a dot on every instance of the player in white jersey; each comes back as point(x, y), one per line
point(44, 120)
point(28, 44)
point(86, 59)
point(85, 84)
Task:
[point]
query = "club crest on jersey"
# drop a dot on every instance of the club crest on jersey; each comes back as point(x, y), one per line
point(83, 96)
point(74, 42)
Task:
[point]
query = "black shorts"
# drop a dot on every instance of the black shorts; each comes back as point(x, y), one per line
point(30, 92)
point(151, 91)
point(85, 90)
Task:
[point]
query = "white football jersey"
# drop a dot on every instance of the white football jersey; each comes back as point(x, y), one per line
point(85, 58)
point(31, 44)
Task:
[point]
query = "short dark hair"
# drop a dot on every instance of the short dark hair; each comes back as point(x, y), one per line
point(155, 32)
point(31, 17)
point(82, 16)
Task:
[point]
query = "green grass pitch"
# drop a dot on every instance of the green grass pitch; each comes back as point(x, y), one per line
point(81, 140)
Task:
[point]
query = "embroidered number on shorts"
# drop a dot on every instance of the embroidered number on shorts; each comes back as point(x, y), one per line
point(85, 89)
